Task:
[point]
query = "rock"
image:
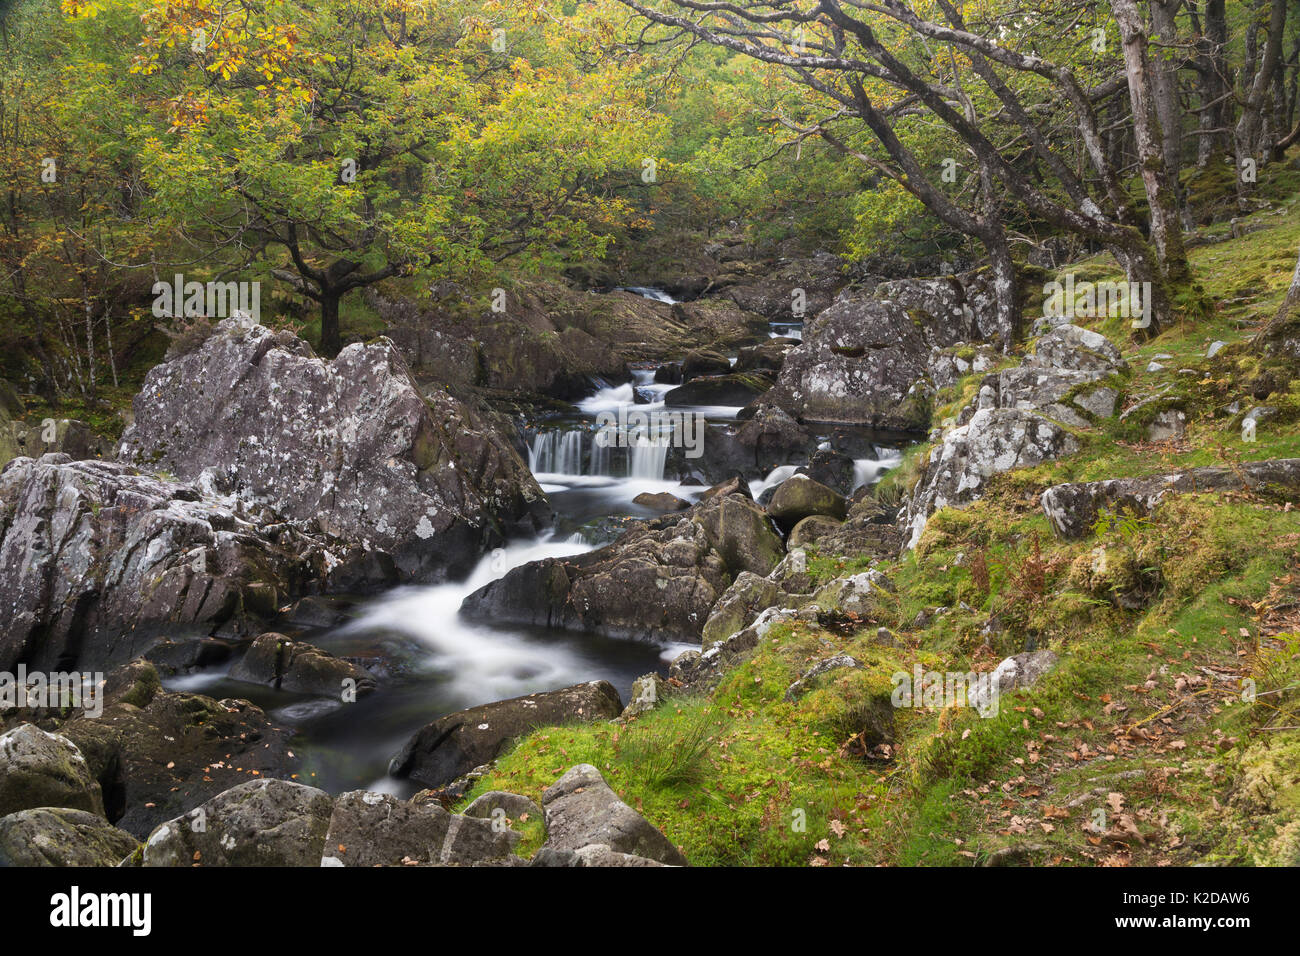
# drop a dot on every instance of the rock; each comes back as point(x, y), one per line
point(1215, 347)
point(697, 364)
point(1169, 424)
point(812, 529)
point(1155, 367)
point(686, 560)
point(769, 356)
point(773, 291)
point(661, 501)
point(1116, 574)
point(349, 447)
point(731, 390)
point(96, 560)
point(159, 760)
point(512, 804)
point(1052, 379)
point(581, 810)
point(453, 745)
point(735, 485)
point(274, 659)
point(838, 662)
point(748, 595)
point(832, 469)
point(856, 594)
point(800, 496)
point(868, 531)
point(948, 366)
point(259, 823)
point(648, 692)
point(1019, 672)
point(377, 829)
point(48, 836)
point(758, 443)
point(183, 657)
point(61, 436)
point(995, 440)
point(1073, 509)
point(39, 769)
point(596, 854)
point(716, 323)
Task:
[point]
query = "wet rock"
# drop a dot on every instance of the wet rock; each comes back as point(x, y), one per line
point(1073, 509)
point(766, 357)
point(39, 769)
point(275, 660)
point(801, 496)
point(182, 657)
point(685, 560)
point(49, 836)
point(157, 761)
point(377, 829)
point(349, 447)
point(661, 501)
point(732, 390)
point(735, 485)
point(259, 823)
point(581, 810)
point(832, 469)
point(697, 364)
point(459, 742)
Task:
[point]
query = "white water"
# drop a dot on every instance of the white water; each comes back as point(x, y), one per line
point(481, 663)
point(866, 471)
point(657, 295)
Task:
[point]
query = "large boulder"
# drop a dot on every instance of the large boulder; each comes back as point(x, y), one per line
point(799, 497)
point(97, 559)
point(349, 447)
point(377, 829)
point(1053, 380)
point(453, 745)
point(995, 440)
point(1073, 509)
point(259, 823)
point(581, 810)
point(49, 836)
point(685, 560)
point(863, 361)
point(39, 769)
point(774, 290)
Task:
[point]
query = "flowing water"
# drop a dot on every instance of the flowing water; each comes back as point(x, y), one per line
point(432, 662)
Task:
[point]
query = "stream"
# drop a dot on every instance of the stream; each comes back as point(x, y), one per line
point(432, 662)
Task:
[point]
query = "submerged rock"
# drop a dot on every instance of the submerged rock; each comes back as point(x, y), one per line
point(459, 742)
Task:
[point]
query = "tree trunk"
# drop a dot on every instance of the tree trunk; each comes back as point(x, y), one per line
point(331, 341)
point(1212, 48)
point(1252, 129)
point(1164, 87)
point(1166, 228)
point(1290, 303)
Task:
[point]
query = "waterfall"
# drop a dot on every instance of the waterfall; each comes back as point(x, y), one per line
point(574, 452)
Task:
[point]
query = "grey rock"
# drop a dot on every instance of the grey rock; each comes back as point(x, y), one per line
point(274, 659)
point(1169, 424)
point(377, 829)
point(349, 447)
point(259, 823)
point(838, 662)
point(48, 836)
point(595, 855)
point(581, 810)
point(1073, 509)
point(648, 692)
point(39, 769)
point(1021, 671)
point(514, 805)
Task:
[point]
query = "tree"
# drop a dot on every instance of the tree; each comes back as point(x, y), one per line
point(345, 143)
